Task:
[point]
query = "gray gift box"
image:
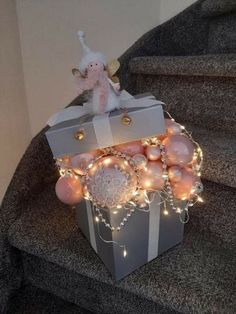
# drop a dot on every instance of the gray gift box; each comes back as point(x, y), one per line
point(146, 234)
point(107, 130)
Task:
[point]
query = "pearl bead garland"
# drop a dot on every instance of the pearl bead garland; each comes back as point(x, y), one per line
point(100, 218)
point(138, 163)
point(132, 205)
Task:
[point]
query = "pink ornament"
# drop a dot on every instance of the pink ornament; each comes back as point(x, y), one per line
point(64, 162)
point(183, 188)
point(131, 148)
point(175, 173)
point(153, 152)
point(80, 162)
point(111, 182)
point(172, 128)
point(152, 177)
point(161, 137)
point(69, 190)
point(179, 150)
point(140, 160)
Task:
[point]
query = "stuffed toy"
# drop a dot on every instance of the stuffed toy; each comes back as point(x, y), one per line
point(96, 75)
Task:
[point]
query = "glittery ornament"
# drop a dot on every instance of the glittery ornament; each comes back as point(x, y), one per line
point(153, 152)
point(131, 148)
point(140, 160)
point(183, 188)
point(111, 182)
point(179, 150)
point(172, 127)
point(152, 177)
point(80, 162)
point(198, 187)
point(175, 173)
point(64, 162)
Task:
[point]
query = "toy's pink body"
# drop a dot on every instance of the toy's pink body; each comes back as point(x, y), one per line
point(104, 95)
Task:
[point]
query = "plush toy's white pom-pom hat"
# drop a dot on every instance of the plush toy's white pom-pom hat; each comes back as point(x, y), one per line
point(88, 54)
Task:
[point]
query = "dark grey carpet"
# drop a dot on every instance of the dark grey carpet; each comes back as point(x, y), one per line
point(198, 276)
point(195, 277)
point(198, 90)
point(31, 300)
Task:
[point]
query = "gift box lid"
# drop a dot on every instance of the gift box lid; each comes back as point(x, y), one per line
point(87, 133)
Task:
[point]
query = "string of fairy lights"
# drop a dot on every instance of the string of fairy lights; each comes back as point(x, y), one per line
point(166, 195)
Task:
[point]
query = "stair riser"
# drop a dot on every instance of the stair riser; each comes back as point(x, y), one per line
point(85, 292)
point(222, 35)
point(204, 101)
point(31, 300)
point(219, 164)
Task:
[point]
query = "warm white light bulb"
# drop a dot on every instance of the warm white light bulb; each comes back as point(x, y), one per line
point(166, 212)
point(147, 184)
point(124, 253)
point(107, 161)
point(199, 199)
point(62, 172)
point(97, 219)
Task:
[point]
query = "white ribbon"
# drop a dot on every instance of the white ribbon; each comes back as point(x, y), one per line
point(154, 228)
point(103, 132)
point(126, 101)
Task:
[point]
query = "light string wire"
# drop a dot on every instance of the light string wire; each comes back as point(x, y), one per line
point(167, 191)
point(122, 246)
point(166, 194)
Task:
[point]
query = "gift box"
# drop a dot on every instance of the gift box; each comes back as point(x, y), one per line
point(142, 234)
point(146, 234)
point(87, 133)
point(130, 173)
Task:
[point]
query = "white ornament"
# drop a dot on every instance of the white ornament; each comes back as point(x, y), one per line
point(111, 182)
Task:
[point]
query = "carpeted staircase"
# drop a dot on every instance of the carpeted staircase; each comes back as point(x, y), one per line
point(47, 266)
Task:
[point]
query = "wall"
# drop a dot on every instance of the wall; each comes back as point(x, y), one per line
point(50, 47)
point(14, 123)
point(169, 8)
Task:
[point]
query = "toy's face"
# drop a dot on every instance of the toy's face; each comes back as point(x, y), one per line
point(95, 66)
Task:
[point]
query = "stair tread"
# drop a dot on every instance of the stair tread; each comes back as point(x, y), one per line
point(199, 65)
point(31, 300)
point(196, 275)
point(206, 101)
point(219, 151)
point(217, 214)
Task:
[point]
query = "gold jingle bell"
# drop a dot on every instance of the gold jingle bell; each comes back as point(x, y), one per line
point(79, 135)
point(126, 120)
